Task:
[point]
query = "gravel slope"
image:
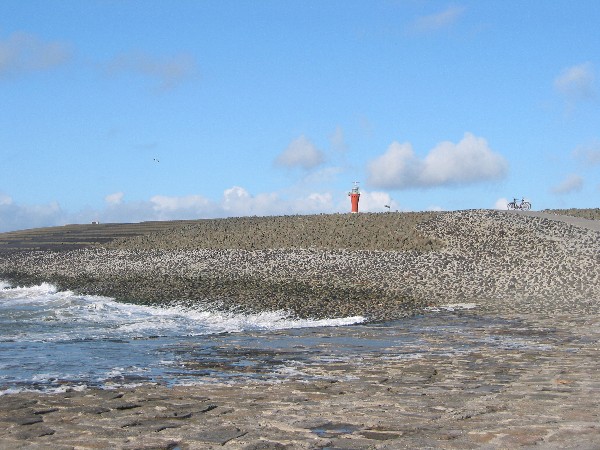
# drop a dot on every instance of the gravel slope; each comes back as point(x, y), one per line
point(498, 260)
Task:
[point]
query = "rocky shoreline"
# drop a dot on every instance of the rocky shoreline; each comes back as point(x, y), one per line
point(535, 387)
point(496, 259)
point(517, 371)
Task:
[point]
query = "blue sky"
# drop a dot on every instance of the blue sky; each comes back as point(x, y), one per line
point(125, 111)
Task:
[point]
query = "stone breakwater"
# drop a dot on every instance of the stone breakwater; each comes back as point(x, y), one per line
point(325, 231)
point(498, 260)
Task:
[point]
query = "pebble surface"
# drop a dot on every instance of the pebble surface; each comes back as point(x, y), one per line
point(497, 260)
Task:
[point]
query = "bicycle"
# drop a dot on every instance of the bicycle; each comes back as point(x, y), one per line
point(523, 206)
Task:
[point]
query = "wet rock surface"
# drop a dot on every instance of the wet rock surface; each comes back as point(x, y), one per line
point(504, 383)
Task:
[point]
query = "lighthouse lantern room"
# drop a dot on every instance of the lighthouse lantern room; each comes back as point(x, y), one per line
point(354, 197)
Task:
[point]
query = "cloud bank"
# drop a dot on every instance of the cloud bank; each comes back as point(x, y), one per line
point(235, 201)
point(17, 217)
point(469, 161)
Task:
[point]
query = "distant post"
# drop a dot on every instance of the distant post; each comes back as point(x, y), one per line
point(354, 197)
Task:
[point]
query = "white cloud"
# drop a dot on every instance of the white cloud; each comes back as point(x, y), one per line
point(239, 202)
point(375, 201)
point(300, 153)
point(469, 161)
point(170, 71)
point(398, 167)
point(114, 199)
point(313, 203)
point(24, 52)
point(165, 204)
point(576, 83)
point(501, 203)
point(235, 195)
point(572, 183)
point(437, 21)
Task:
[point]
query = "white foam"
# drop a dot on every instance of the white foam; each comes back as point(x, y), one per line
point(53, 336)
point(45, 376)
point(47, 390)
point(94, 317)
point(25, 294)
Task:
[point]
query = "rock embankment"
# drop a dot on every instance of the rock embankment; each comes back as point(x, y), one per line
point(495, 259)
point(324, 231)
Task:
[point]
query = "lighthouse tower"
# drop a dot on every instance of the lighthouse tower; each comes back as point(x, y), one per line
point(354, 197)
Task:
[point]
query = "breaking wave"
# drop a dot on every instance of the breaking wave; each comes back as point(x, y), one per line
point(49, 338)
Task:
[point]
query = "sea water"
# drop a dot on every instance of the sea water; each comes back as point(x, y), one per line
point(54, 340)
point(51, 339)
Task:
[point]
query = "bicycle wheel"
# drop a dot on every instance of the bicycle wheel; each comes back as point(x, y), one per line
point(511, 206)
point(526, 206)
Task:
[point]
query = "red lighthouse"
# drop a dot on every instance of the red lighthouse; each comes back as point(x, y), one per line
point(354, 197)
